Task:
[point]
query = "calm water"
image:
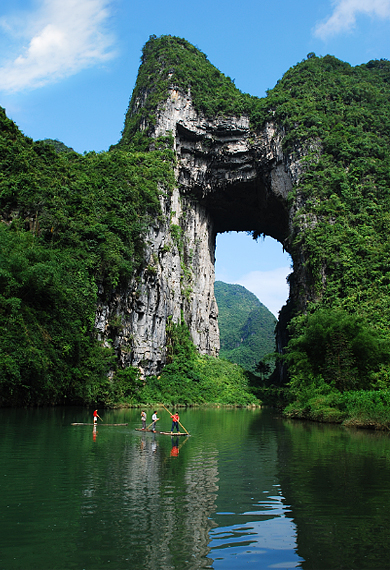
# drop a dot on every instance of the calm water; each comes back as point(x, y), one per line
point(246, 490)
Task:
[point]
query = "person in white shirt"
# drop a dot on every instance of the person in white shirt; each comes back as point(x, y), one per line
point(154, 420)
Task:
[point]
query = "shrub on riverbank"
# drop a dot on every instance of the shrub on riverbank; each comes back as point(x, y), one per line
point(318, 406)
point(206, 380)
point(361, 408)
point(369, 409)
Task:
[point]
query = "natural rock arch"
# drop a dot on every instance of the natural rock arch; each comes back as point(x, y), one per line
point(308, 164)
point(228, 178)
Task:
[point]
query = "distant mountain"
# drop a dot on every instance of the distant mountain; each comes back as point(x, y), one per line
point(246, 326)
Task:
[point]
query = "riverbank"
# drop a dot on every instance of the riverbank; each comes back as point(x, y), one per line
point(368, 409)
point(179, 405)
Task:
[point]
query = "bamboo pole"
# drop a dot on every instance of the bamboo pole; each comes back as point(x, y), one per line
point(171, 416)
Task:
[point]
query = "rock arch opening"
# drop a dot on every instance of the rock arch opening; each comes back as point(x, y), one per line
point(248, 207)
point(232, 180)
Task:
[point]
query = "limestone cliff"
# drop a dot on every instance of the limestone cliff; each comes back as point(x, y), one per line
point(177, 279)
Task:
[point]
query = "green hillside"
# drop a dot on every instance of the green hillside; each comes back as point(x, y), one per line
point(246, 326)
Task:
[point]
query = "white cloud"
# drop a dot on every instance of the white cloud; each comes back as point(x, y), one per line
point(270, 287)
point(62, 37)
point(343, 18)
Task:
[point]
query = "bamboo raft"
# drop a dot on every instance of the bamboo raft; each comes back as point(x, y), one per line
point(100, 425)
point(173, 433)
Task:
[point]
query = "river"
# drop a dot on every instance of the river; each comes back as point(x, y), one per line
point(248, 489)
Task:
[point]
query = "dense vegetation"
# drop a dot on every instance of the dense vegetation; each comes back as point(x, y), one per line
point(246, 326)
point(189, 378)
point(339, 352)
point(72, 224)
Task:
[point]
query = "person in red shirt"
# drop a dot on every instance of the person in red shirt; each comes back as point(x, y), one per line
point(95, 417)
point(175, 422)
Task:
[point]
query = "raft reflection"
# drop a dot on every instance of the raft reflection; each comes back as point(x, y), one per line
point(159, 504)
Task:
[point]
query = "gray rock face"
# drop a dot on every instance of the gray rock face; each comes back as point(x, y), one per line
point(178, 279)
point(228, 178)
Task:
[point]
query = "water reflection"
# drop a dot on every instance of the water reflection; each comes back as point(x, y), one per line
point(175, 447)
point(158, 507)
point(254, 528)
point(337, 482)
point(248, 489)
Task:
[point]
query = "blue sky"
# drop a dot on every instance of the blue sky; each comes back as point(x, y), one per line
point(68, 67)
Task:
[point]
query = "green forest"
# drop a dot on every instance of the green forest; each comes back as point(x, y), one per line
point(74, 225)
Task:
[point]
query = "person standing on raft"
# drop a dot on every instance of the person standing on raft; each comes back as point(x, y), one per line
point(95, 417)
point(154, 420)
point(143, 419)
point(175, 422)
